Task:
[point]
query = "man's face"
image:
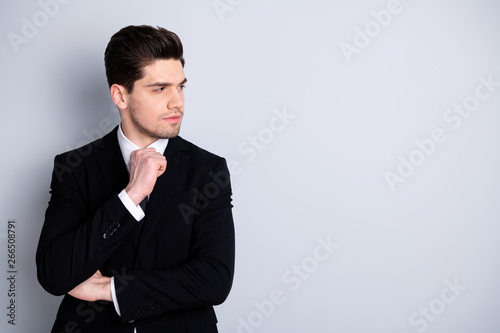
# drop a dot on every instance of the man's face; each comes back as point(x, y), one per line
point(156, 105)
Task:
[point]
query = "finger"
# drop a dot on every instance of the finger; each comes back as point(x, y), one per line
point(140, 152)
point(162, 163)
point(147, 152)
point(162, 168)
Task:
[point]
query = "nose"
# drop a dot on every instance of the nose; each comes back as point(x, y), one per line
point(175, 99)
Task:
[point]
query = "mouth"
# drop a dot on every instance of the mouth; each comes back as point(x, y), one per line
point(173, 119)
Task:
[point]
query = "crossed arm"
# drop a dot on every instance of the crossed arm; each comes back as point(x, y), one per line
point(146, 165)
point(211, 267)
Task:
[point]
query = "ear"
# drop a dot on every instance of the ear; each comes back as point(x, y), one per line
point(119, 95)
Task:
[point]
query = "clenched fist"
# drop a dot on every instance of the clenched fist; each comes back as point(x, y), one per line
point(146, 165)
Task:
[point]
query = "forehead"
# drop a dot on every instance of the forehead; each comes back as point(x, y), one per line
point(163, 70)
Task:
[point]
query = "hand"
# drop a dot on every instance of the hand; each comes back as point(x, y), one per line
point(95, 288)
point(146, 165)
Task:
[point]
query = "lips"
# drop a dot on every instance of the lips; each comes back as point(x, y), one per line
point(173, 118)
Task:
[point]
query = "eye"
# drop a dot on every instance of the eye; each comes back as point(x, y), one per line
point(159, 89)
point(182, 87)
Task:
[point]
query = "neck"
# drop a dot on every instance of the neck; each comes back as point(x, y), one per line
point(139, 139)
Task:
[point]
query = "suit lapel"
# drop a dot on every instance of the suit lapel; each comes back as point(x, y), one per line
point(111, 163)
point(113, 168)
point(167, 184)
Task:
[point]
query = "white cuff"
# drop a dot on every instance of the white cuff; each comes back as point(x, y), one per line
point(113, 295)
point(136, 211)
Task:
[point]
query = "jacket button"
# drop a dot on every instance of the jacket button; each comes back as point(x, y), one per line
point(108, 234)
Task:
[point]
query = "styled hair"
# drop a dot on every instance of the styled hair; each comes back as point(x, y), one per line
point(135, 47)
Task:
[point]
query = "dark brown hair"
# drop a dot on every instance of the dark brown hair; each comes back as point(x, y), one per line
point(135, 47)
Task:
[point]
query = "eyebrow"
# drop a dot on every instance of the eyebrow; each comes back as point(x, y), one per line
point(165, 84)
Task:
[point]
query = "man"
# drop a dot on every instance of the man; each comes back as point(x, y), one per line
point(138, 233)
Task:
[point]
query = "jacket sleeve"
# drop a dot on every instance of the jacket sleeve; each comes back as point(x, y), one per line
point(205, 279)
point(73, 245)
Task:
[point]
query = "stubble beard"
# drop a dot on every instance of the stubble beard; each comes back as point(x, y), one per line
point(168, 131)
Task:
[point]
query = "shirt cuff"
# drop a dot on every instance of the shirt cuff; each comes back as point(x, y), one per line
point(136, 211)
point(113, 295)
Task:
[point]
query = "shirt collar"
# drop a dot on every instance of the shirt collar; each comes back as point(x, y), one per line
point(127, 146)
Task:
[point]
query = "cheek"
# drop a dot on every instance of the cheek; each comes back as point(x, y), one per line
point(149, 108)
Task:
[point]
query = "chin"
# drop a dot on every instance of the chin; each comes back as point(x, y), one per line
point(169, 134)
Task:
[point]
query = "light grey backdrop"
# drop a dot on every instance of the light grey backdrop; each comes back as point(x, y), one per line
point(363, 138)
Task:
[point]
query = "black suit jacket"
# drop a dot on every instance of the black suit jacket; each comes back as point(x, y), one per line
point(169, 270)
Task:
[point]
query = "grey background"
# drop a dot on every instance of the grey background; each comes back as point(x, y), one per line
point(321, 175)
